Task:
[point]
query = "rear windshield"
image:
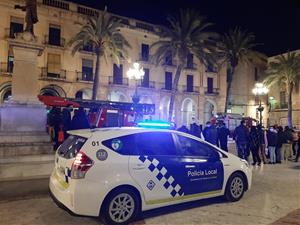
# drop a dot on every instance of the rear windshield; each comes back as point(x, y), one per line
point(71, 146)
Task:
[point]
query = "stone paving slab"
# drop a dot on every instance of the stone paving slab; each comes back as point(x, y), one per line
point(292, 218)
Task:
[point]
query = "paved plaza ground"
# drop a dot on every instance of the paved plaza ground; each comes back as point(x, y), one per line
point(275, 194)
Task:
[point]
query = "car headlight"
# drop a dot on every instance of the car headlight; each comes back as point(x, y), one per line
point(245, 162)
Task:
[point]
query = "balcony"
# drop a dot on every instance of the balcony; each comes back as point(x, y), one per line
point(57, 4)
point(214, 91)
point(190, 89)
point(85, 77)
point(6, 69)
point(171, 63)
point(47, 75)
point(150, 84)
point(54, 42)
point(113, 80)
point(145, 58)
point(164, 86)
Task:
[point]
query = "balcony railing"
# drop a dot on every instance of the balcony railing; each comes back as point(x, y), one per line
point(163, 86)
point(6, 68)
point(191, 89)
point(117, 80)
point(56, 4)
point(144, 58)
point(150, 84)
point(85, 77)
point(214, 91)
point(45, 74)
point(60, 43)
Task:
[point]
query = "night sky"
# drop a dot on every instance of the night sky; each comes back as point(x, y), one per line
point(276, 24)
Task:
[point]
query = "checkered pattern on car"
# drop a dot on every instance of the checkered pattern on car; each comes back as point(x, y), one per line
point(162, 175)
point(67, 174)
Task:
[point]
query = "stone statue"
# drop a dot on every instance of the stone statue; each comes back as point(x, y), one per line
point(31, 14)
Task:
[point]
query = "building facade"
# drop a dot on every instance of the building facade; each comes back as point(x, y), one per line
point(201, 92)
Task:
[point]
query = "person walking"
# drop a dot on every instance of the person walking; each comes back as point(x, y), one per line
point(241, 136)
point(262, 143)
point(280, 142)
point(223, 133)
point(272, 138)
point(254, 145)
point(286, 145)
point(210, 133)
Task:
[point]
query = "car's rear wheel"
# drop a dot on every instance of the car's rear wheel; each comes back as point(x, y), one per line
point(121, 207)
point(235, 187)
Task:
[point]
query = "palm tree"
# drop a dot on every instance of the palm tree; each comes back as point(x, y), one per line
point(236, 47)
point(285, 70)
point(185, 35)
point(103, 34)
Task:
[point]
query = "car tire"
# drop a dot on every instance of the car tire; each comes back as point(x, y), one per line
point(121, 207)
point(235, 187)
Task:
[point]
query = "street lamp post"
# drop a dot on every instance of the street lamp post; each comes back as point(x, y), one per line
point(136, 72)
point(259, 90)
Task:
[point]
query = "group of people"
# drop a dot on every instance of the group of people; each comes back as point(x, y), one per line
point(59, 121)
point(275, 142)
point(270, 145)
point(216, 134)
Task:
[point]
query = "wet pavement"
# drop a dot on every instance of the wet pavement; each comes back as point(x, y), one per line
point(273, 199)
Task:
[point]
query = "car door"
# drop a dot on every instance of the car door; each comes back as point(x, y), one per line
point(204, 172)
point(155, 167)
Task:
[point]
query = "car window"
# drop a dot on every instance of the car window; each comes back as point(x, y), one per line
point(124, 145)
point(191, 147)
point(71, 146)
point(155, 143)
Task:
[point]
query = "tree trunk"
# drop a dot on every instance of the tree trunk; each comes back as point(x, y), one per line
point(228, 89)
point(290, 106)
point(174, 89)
point(96, 78)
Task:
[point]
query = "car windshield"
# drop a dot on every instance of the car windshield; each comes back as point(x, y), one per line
point(71, 146)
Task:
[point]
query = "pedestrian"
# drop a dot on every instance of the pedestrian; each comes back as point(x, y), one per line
point(55, 121)
point(286, 145)
point(66, 121)
point(194, 128)
point(280, 142)
point(79, 120)
point(223, 133)
point(254, 145)
point(272, 138)
point(262, 143)
point(183, 129)
point(241, 136)
point(295, 139)
point(210, 133)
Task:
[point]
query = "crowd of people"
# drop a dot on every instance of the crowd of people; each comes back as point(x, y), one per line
point(272, 145)
point(59, 121)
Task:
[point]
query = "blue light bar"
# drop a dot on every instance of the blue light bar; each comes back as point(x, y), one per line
point(154, 124)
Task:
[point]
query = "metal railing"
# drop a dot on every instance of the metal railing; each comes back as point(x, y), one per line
point(214, 91)
point(145, 58)
point(150, 84)
point(60, 43)
point(85, 77)
point(56, 4)
point(112, 80)
point(45, 74)
point(191, 89)
point(6, 68)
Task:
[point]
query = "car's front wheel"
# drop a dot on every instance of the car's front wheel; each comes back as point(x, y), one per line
point(121, 207)
point(235, 187)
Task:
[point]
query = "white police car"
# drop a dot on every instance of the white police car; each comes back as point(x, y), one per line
point(116, 173)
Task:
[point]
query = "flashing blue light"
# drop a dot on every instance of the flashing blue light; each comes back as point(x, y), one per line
point(154, 124)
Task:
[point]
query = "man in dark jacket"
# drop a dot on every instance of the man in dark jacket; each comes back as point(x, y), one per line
point(241, 136)
point(210, 133)
point(223, 133)
point(272, 138)
point(262, 145)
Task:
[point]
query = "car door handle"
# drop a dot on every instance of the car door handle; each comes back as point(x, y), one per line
point(190, 166)
point(139, 167)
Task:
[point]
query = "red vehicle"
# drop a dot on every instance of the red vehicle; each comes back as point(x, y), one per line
point(105, 113)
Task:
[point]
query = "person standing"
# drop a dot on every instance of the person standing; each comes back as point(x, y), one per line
point(210, 133)
point(79, 120)
point(254, 145)
point(262, 143)
point(66, 121)
point(223, 133)
point(272, 138)
point(280, 141)
point(183, 129)
point(298, 150)
point(241, 136)
point(286, 145)
point(295, 139)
